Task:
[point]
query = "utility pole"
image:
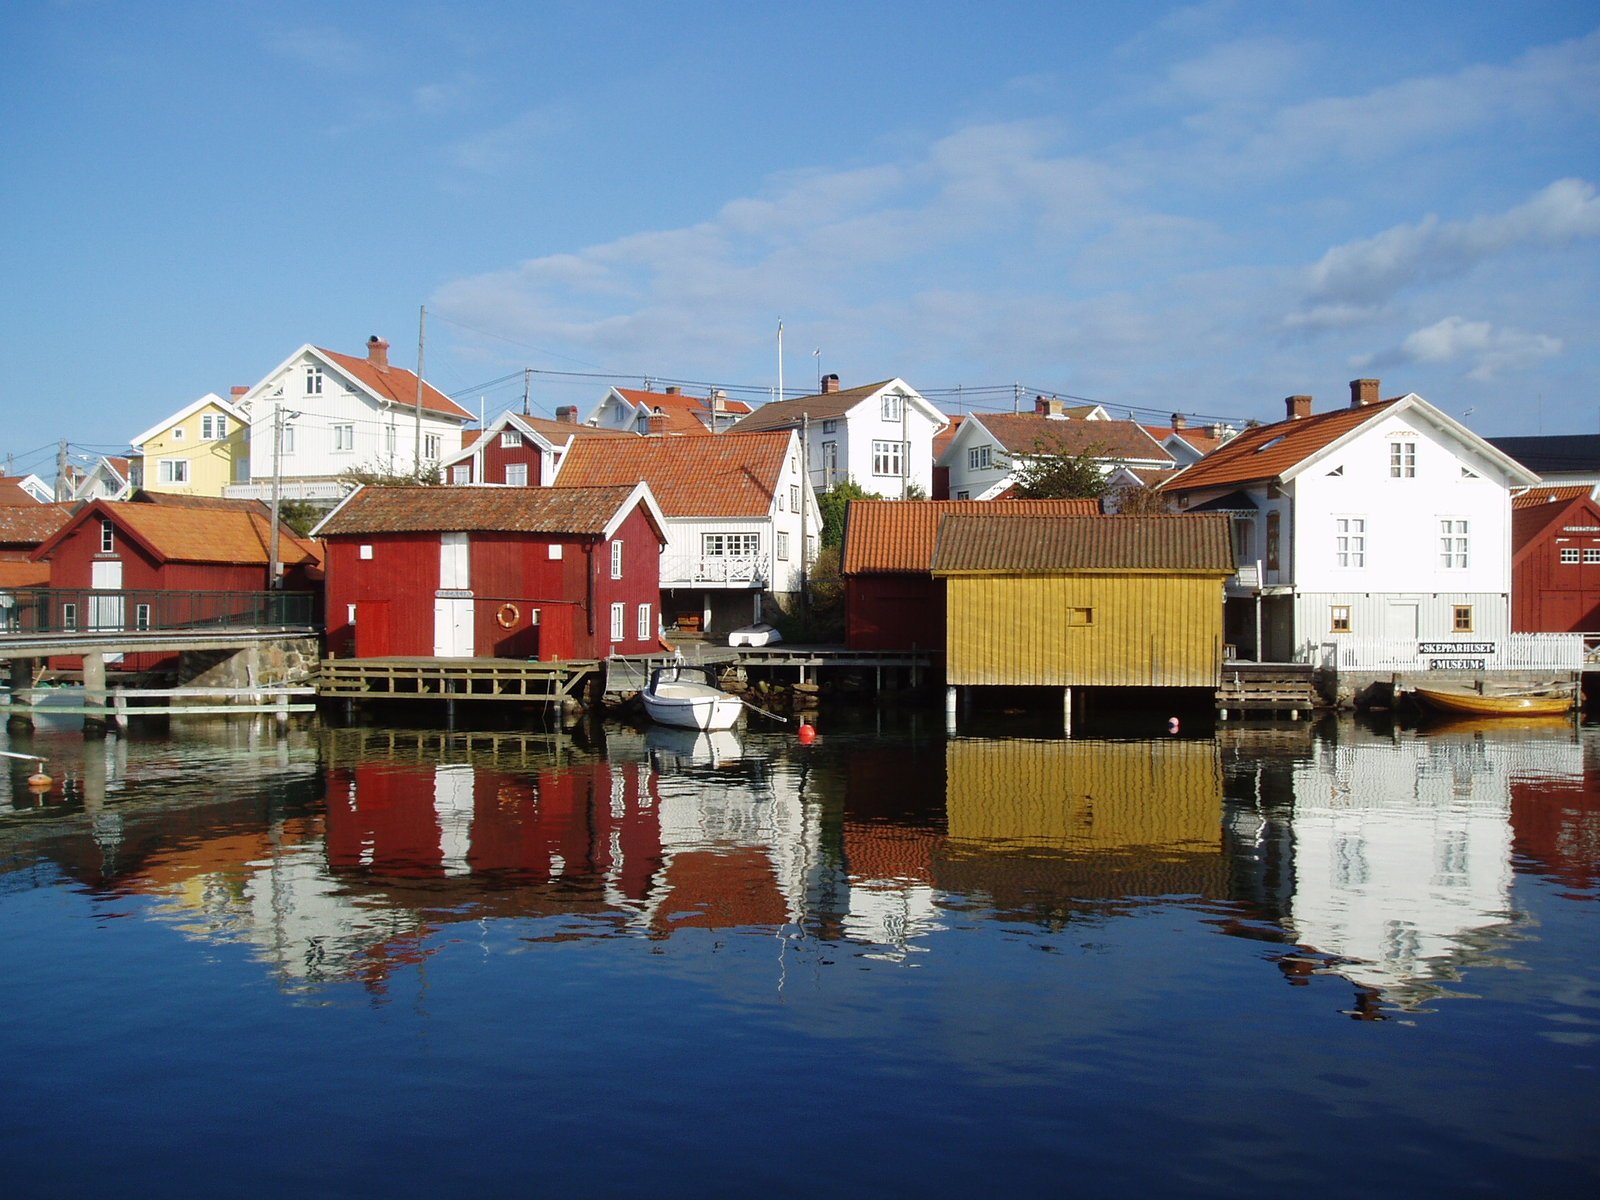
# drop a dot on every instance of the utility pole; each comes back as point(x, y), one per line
point(63, 486)
point(275, 567)
point(422, 330)
point(527, 387)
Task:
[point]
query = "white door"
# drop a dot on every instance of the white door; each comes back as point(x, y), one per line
point(1402, 620)
point(106, 612)
point(452, 627)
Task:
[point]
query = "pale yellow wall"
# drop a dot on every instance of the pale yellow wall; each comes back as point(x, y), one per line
point(1148, 631)
point(211, 463)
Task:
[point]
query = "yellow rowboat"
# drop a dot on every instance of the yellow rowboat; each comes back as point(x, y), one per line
point(1526, 704)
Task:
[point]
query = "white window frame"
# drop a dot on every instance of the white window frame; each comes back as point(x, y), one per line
point(783, 547)
point(1591, 554)
point(388, 440)
point(894, 406)
point(1402, 459)
point(141, 616)
point(616, 559)
point(1350, 543)
point(510, 438)
point(344, 436)
point(794, 497)
point(69, 617)
point(461, 473)
point(619, 617)
point(172, 470)
point(1455, 543)
point(889, 459)
point(730, 545)
point(644, 623)
point(517, 474)
point(286, 439)
point(980, 458)
point(1569, 555)
point(108, 537)
point(313, 380)
point(430, 447)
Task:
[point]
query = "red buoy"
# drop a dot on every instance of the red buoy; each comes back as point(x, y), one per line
point(808, 734)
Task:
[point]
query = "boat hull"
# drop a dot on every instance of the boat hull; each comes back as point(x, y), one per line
point(1477, 705)
point(677, 698)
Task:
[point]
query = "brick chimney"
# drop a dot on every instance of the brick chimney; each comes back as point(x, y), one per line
point(674, 390)
point(1043, 406)
point(378, 352)
point(238, 390)
point(1299, 407)
point(1179, 421)
point(1363, 392)
point(567, 414)
point(657, 422)
point(830, 383)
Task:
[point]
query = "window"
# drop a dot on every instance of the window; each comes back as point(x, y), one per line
point(616, 560)
point(430, 447)
point(619, 616)
point(811, 547)
point(173, 470)
point(1080, 616)
point(108, 537)
point(177, 433)
point(555, 551)
point(830, 463)
point(644, 623)
point(141, 616)
point(1462, 618)
point(388, 439)
point(1350, 541)
point(69, 616)
point(1569, 554)
point(313, 381)
point(963, 494)
point(517, 474)
point(1452, 544)
point(344, 437)
point(1591, 554)
point(780, 501)
point(213, 427)
point(1244, 539)
point(731, 545)
point(980, 458)
point(511, 437)
point(893, 406)
point(794, 497)
point(888, 458)
point(1339, 618)
point(783, 547)
point(830, 427)
point(286, 439)
point(366, 552)
point(461, 473)
point(1402, 460)
point(1274, 525)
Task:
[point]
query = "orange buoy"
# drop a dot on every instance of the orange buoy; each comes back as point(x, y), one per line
point(807, 734)
point(39, 782)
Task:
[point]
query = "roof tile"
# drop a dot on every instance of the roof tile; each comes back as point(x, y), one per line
point(898, 536)
point(1267, 451)
point(469, 508)
point(1177, 543)
point(726, 476)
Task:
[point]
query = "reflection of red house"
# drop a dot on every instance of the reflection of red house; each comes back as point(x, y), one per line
point(1556, 824)
point(1555, 564)
point(891, 599)
point(546, 573)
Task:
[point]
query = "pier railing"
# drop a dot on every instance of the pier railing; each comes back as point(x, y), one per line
point(33, 611)
point(1513, 652)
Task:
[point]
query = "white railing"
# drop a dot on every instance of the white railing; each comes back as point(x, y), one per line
point(683, 570)
point(1515, 652)
point(1247, 576)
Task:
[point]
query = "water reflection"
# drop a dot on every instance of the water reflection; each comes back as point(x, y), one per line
point(1385, 856)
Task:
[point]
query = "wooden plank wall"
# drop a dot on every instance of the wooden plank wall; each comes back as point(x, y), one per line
point(1147, 631)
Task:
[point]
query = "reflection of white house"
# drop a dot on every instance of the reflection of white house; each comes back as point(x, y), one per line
point(319, 415)
point(1402, 853)
point(879, 436)
point(1376, 531)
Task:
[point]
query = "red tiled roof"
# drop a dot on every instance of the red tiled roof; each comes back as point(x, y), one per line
point(683, 413)
point(1170, 544)
point(1538, 497)
point(13, 493)
point(578, 510)
point(198, 533)
point(1030, 433)
point(397, 384)
point(942, 439)
point(898, 536)
point(23, 574)
point(699, 477)
point(1267, 451)
point(31, 524)
point(1198, 438)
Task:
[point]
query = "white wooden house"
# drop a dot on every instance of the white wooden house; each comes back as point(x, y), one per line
point(983, 459)
point(1373, 537)
point(319, 415)
point(673, 410)
point(879, 436)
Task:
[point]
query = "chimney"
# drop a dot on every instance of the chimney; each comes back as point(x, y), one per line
point(674, 390)
point(567, 414)
point(238, 390)
point(1179, 421)
point(1299, 407)
point(1043, 406)
point(719, 400)
point(378, 352)
point(657, 422)
point(1363, 392)
point(830, 384)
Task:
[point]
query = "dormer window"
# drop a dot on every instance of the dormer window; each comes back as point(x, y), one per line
point(1402, 460)
point(979, 458)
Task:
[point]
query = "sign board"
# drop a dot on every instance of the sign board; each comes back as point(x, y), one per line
point(1456, 664)
point(1455, 647)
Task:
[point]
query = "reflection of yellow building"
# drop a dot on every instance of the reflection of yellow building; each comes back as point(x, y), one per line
point(196, 451)
point(1137, 818)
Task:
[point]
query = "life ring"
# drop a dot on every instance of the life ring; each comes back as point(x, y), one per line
point(507, 615)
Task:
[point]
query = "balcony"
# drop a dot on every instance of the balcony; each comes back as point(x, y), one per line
point(715, 571)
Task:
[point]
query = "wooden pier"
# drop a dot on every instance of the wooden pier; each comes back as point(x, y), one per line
point(1249, 687)
point(452, 679)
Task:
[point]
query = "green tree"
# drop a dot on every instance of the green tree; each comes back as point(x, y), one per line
point(380, 476)
point(833, 505)
point(1051, 474)
point(1139, 500)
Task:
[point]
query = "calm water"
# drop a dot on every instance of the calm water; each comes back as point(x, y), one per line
point(1348, 962)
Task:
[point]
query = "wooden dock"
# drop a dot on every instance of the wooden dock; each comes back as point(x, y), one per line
point(452, 679)
point(1249, 687)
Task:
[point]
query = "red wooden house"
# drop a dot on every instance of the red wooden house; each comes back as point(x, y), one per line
point(1555, 561)
point(891, 599)
point(521, 451)
point(493, 572)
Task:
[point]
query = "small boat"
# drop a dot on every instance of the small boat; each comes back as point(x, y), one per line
point(755, 635)
point(688, 697)
point(1496, 704)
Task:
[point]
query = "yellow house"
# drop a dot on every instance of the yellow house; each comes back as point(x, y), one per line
point(1085, 601)
point(197, 451)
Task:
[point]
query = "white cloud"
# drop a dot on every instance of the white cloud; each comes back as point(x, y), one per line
point(1375, 268)
point(1485, 350)
point(495, 150)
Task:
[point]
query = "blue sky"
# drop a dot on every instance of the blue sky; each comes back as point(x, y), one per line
point(1198, 208)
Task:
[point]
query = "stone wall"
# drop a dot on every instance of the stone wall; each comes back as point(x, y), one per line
point(288, 661)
